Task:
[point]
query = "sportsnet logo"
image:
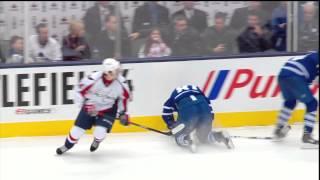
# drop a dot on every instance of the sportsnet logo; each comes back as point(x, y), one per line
point(258, 86)
point(33, 111)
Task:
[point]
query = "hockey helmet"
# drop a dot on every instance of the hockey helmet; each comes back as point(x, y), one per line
point(110, 65)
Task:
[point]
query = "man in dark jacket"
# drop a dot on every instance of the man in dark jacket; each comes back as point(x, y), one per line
point(147, 16)
point(239, 18)
point(218, 39)
point(196, 18)
point(106, 40)
point(184, 40)
point(255, 38)
point(94, 18)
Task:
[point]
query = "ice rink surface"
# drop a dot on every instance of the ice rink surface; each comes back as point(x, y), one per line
point(150, 156)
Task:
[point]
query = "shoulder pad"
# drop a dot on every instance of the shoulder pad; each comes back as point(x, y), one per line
point(122, 79)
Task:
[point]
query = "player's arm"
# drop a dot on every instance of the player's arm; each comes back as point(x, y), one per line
point(123, 81)
point(82, 89)
point(122, 105)
point(167, 112)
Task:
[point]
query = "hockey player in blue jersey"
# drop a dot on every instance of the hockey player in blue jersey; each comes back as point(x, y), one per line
point(294, 79)
point(194, 114)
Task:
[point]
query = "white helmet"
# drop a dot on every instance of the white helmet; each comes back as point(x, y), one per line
point(110, 64)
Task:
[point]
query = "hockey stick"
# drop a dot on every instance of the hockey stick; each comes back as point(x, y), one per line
point(151, 129)
point(253, 137)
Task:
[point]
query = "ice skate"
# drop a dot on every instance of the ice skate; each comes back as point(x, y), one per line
point(62, 150)
point(281, 132)
point(94, 146)
point(223, 136)
point(308, 142)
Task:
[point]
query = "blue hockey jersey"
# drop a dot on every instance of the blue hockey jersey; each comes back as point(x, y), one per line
point(170, 106)
point(306, 67)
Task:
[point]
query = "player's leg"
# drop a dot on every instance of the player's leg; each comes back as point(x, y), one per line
point(204, 127)
point(304, 95)
point(83, 122)
point(103, 126)
point(188, 116)
point(309, 122)
point(204, 131)
point(282, 127)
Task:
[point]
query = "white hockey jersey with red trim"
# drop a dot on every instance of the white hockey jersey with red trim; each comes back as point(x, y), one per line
point(93, 90)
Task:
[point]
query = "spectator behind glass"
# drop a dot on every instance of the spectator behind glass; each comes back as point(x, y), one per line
point(15, 54)
point(2, 58)
point(43, 47)
point(154, 46)
point(94, 18)
point(218, 39)
point(196, 18)
point(106, 40)
point(184, 40)
point(309, 28)
point(279, 27)
point(254, 38)
point(149, 15)
point(239, 18)
point(75, 46)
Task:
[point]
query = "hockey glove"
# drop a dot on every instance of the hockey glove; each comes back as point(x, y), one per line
point(90, 109)
point(124, 119)
point(176, 128)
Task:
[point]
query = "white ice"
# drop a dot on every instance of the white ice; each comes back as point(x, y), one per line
point(150, 156)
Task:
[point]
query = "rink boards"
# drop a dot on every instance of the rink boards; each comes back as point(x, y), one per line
point(38, 101)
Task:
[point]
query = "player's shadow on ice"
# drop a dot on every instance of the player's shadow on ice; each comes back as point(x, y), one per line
point(95, 157)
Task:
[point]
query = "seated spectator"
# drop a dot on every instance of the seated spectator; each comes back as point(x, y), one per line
point(94, 18)
point(74, 45)
point(308, 37)
point(42, 47)
point(15, 54)
point(184, 40)
point(196, 18)
point(149, 15)
point(254, 38)
point(154, 46)
point(218, 39)
point(239, 18)
point(279, 27)
point(106, 40)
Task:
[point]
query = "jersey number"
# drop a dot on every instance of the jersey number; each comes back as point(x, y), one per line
point(185, 88)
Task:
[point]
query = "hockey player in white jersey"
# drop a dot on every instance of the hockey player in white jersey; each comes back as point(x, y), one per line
point(102, 96)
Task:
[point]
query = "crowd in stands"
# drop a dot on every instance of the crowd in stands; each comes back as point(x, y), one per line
point(101, 34)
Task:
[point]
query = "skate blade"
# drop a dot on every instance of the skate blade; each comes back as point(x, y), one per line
point(229, 142)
